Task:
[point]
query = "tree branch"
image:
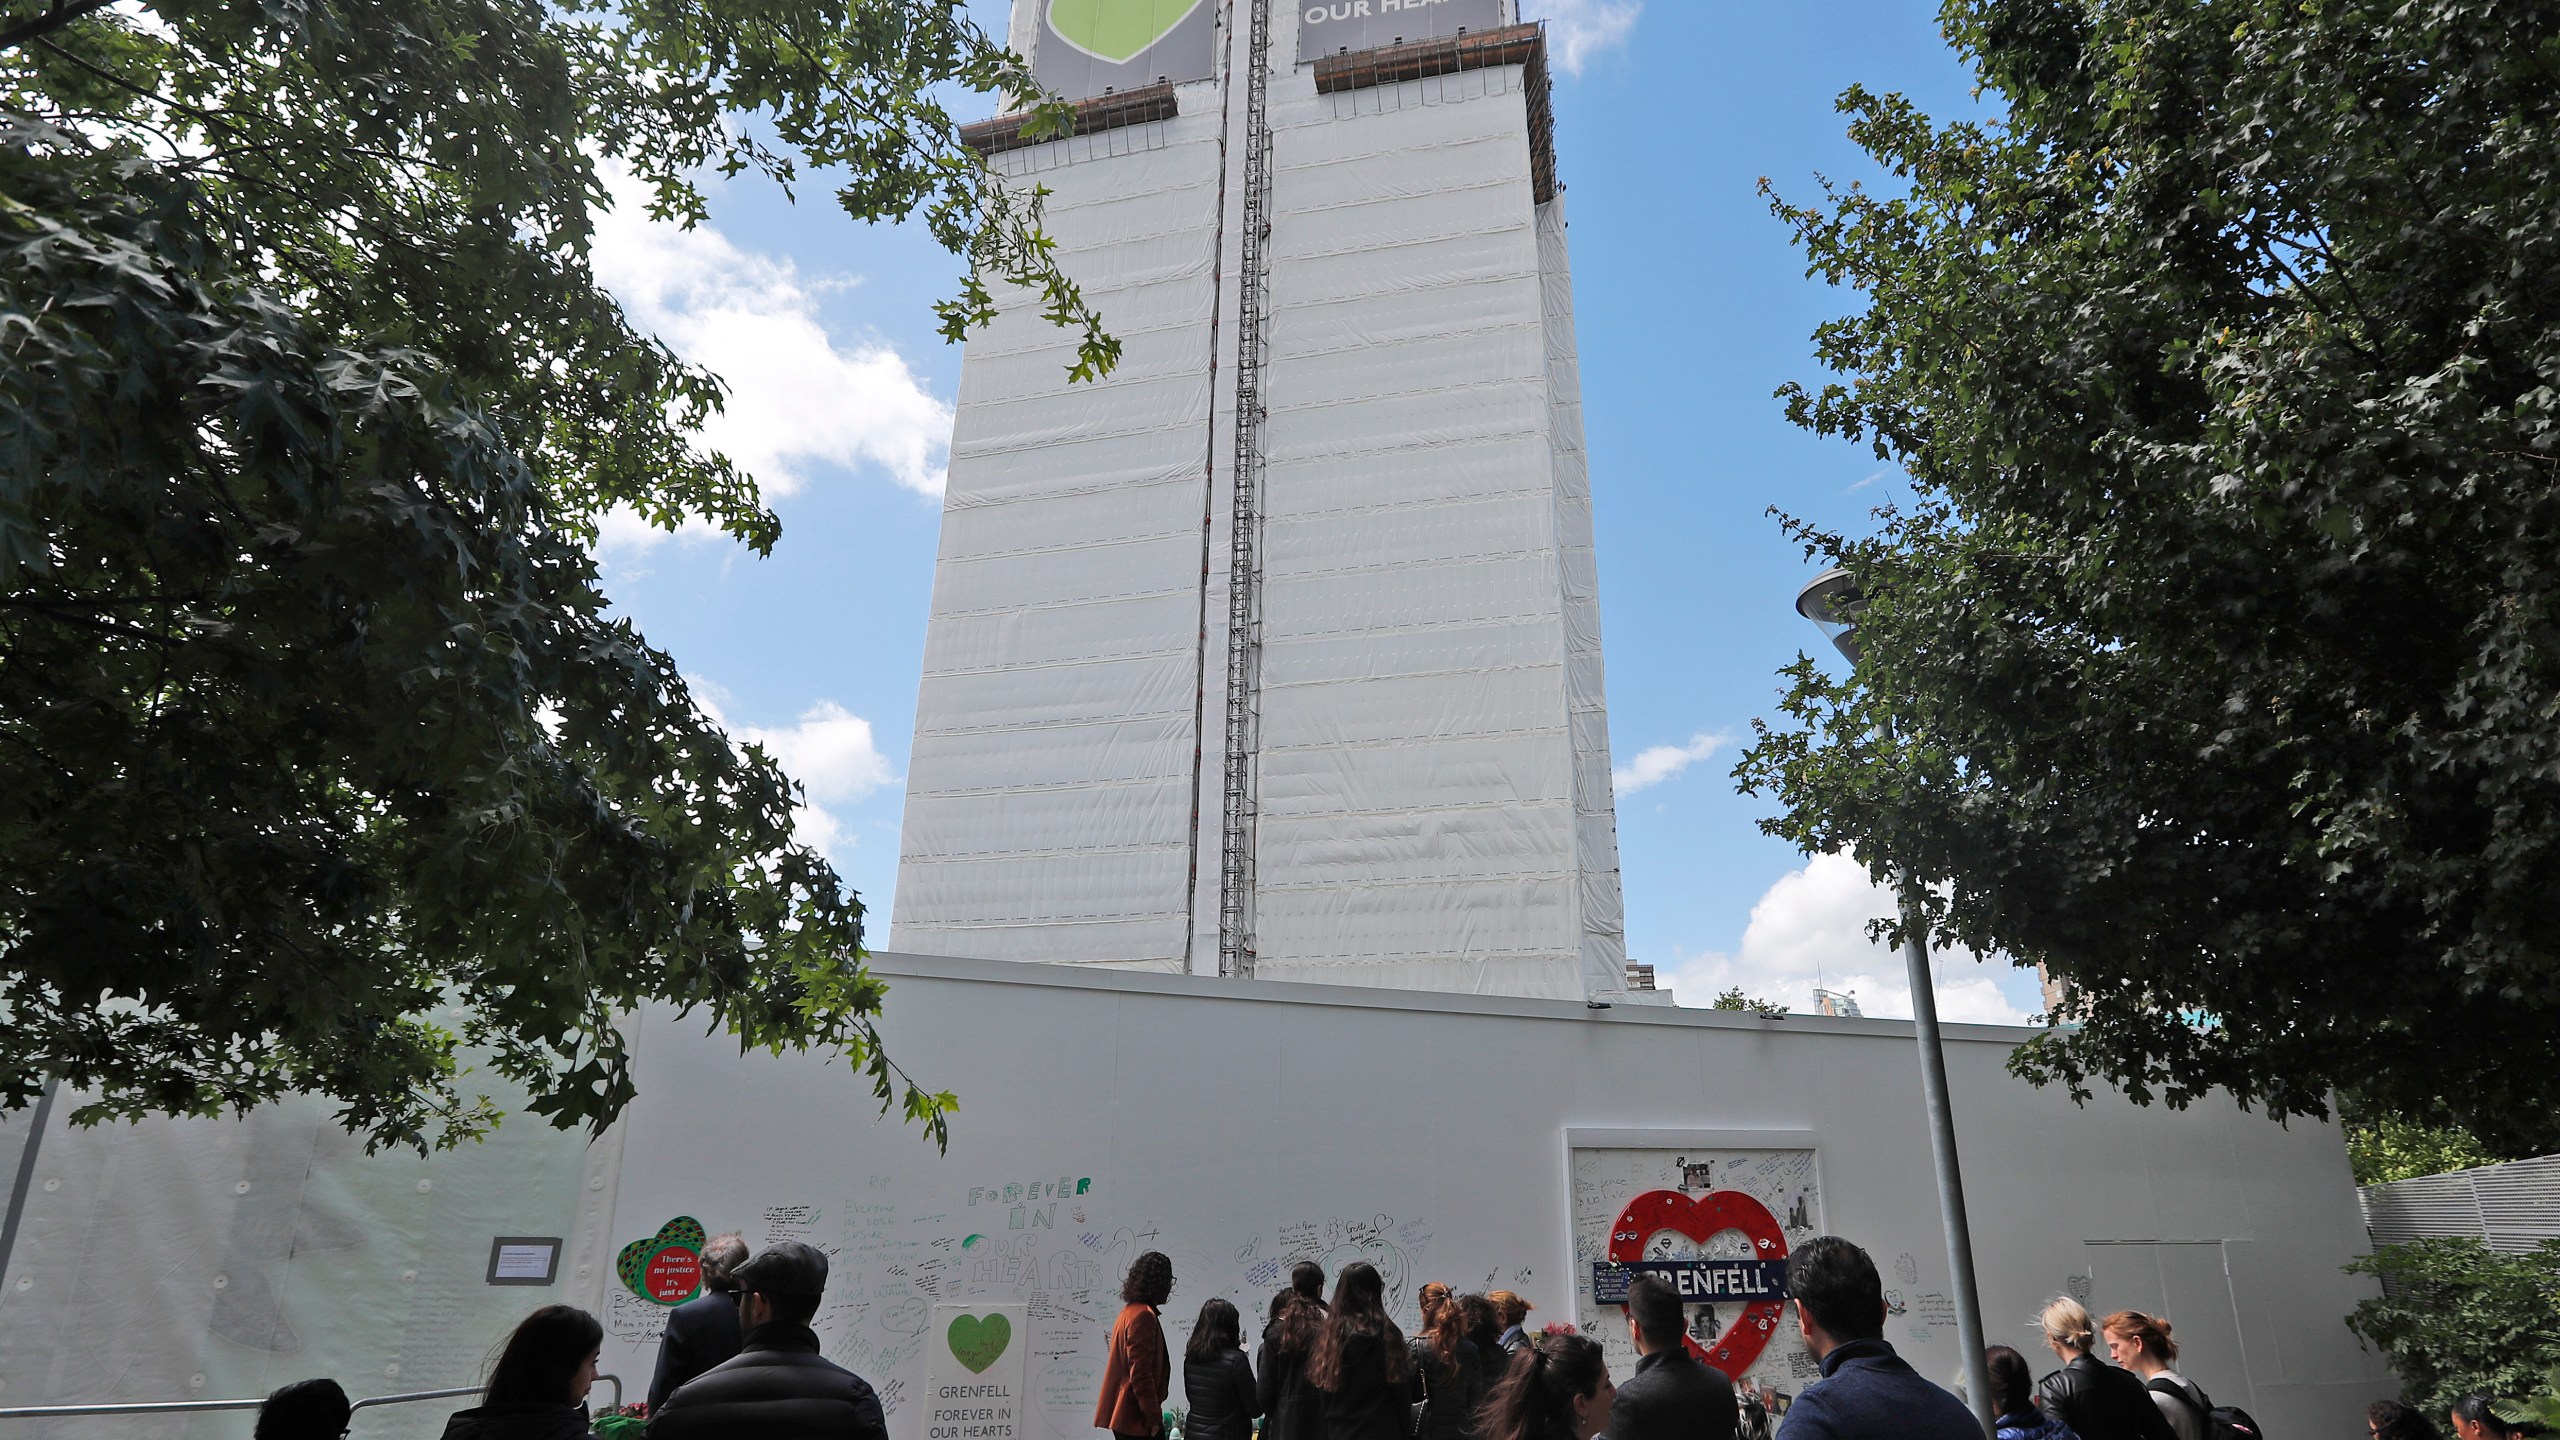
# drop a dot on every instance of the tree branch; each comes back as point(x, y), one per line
point(48, 22)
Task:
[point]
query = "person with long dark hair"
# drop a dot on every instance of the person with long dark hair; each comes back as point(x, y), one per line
point(1448, 1368)
point(1217, 1380)
point(1292, 1408)
point(538, 1382)
point(1485, 1329)
point(1556, 1390)
point(1138, 1372)
point(2016, 1416)
point(1360, 1362)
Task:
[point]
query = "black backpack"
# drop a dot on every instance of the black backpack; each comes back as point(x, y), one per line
point(2221, 1422)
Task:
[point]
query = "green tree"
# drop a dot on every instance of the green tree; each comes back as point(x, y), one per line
point(2389, 1147)
point(2218, 640)
point(1734, 999)
point(2458, 1317)
point(312, 718)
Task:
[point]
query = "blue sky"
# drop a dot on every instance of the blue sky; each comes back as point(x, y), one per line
point(1691, 307)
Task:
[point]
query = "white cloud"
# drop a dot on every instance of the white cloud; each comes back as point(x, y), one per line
point(1657, 763)
point(830, 752)
point(796, 396)
point(1581, 29)
point(1810, 930)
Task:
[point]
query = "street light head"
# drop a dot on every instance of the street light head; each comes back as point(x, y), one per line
point(1832, 602)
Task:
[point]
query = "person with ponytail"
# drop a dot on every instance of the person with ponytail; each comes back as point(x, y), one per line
point(2097, 1400)
point(1556, 1390)
point(1360, 1363)
point(2140, 1343)
point(2015, 1413)
point(1450, 1370)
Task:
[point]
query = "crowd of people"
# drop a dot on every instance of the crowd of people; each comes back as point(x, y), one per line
point(740, 1361)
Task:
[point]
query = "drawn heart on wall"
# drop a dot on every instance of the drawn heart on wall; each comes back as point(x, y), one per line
point(1116, 30)
point(978, 1341)
point(1705, 1216)
point(666, 1267)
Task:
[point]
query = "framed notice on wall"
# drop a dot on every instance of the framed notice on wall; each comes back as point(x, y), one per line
point(524, 1259)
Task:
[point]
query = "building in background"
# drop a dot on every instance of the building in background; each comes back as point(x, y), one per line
point(1277, 653)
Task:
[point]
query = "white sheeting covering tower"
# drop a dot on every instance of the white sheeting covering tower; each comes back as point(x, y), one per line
point(1426, 775)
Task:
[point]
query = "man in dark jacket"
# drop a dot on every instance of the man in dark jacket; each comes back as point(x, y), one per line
point(1671, 1396)
point(777, 1387)
point(1866, 1390)
point(704, 1330)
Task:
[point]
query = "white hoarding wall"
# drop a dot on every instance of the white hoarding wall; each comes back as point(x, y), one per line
point(1236, 1126)
point(217, 1259)
point(1049, 790)
point(1239, 1126)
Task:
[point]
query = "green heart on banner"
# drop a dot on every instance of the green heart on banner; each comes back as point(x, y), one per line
point(666, 1267)
point(978, 1341)
point(1116, 30)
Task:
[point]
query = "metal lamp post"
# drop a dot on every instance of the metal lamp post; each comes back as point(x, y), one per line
point(1832, 602)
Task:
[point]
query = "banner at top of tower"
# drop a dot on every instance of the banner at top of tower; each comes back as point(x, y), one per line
point(1087, 48)
point(1330, 27)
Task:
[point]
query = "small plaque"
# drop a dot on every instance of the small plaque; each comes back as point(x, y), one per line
point(524, 1259)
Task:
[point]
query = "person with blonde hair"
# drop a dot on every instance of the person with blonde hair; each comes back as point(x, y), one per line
point(2140, 1343)
point(2097, 1400)
point(1512, 1312)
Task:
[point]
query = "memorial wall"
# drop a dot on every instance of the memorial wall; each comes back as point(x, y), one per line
point(1236, 1126)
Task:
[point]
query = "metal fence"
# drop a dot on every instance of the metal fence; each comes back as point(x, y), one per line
point(179, 1407)
point(2511, 1207)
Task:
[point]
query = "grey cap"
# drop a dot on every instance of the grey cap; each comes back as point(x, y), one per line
point(785, 1267)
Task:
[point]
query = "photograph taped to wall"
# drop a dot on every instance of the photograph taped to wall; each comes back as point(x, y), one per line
point(1086, 48)
point(1330, 27)
point(1777, 1193)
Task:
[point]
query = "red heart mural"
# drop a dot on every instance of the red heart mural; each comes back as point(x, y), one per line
point(1717, 1210)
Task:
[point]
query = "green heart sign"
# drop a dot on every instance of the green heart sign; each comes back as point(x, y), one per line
point(978, 1341)
point(1116, 30)
point(666, 1267)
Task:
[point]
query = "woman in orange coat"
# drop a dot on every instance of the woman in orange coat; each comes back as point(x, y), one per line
point(1139, 1371)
